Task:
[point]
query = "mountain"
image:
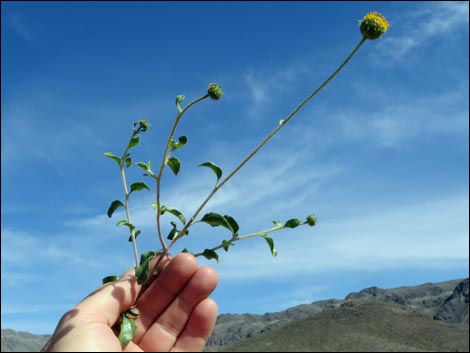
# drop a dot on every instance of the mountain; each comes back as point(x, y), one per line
point(14, 341)
point(360, 327)
point(444, 301)
point(429, 317)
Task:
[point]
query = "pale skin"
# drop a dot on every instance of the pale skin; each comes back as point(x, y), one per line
point(176, 313)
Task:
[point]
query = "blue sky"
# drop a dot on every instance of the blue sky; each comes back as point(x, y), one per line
point(380, 155)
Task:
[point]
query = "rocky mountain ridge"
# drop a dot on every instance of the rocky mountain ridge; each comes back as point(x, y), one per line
point(447, 302)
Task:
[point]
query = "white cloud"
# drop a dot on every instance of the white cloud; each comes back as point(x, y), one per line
point(445, 114)
point(431, 233)
point(437, 19)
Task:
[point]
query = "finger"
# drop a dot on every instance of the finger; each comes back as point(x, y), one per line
point(164, 332)
point(199, 327)
point(163, 291)
point(110, 300)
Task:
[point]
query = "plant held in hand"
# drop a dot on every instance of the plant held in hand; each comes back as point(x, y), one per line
point(372, 27)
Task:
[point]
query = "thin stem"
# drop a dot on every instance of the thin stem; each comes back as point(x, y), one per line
point(128, 214)
point(238, 238)
point(126, 193)
point(166, 153)
point(300, 106)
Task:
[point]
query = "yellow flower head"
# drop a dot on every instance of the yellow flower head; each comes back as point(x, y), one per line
point(373, 25)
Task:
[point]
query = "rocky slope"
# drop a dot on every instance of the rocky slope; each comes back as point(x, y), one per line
point(444, 302)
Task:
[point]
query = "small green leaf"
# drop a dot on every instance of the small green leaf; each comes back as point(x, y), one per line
point(185, 250)
point(134, 141)
point(128, 162)
point(142, 272)
point(137, 186)
point(226, 244)
point(215, 169)
point(112, 156)
point(179, 99)
point(175, 164)
point(182, 140)
point(123, 222)
point(114, 206)
point(270, 242)
point(292, 223)
point(128, 328)
point(145, 166)
point(173, 232)
point(109, 279)
point(210, 254)
point(278, 224)
point(215, 220)
point(136, 234)
point(173, 211)
point(147, 256)
point(130, 312)
point(233, 224)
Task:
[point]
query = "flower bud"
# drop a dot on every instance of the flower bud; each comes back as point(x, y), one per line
point(373, 25)
point(144, 125)
point(214, 91)
point(311, 220)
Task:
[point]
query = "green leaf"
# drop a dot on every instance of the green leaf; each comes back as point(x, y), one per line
point(134, 141)
point(173, 232)
point(233, 224)
point(173, 211)
point(278, 224)
point(142, 272)
point(185, 250)
point(270, 242)
point(215, 169)
point(130, 312)
point(123, 222)
point(179, 99)
point(145, 166)
point(175, 164)
point(292, 223)
point(216, 220)
point(112, 156)
point(210, 254)
point(109, 279)
point(136, 234)
point(147, 256)
point(128, 328)
point(137, 186)
point(114, 206)
point(174, 145)
point(128, 162)
point(226, 244)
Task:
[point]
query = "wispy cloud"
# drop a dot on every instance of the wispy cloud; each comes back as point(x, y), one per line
point(18, 24)
point(429, 233)
point(433, 20)
point(266, 86)
point(445, 114)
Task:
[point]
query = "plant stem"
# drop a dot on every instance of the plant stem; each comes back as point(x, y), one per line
point(126, 193)
point(166, 153)
point(251, 235)
point(289, 117)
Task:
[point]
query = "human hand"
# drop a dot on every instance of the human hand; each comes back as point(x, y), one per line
point(175, 312)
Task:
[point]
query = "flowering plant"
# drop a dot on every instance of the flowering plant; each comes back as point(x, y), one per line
point(372, 26)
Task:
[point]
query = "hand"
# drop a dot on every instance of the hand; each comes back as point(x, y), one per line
point(175, 312)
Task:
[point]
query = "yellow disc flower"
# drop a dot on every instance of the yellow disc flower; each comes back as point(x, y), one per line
point(373, 25)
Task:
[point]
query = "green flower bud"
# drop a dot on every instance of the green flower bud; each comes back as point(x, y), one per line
point(214, 91)
point(144, 125)
point(311, 220)
point(373, 25)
